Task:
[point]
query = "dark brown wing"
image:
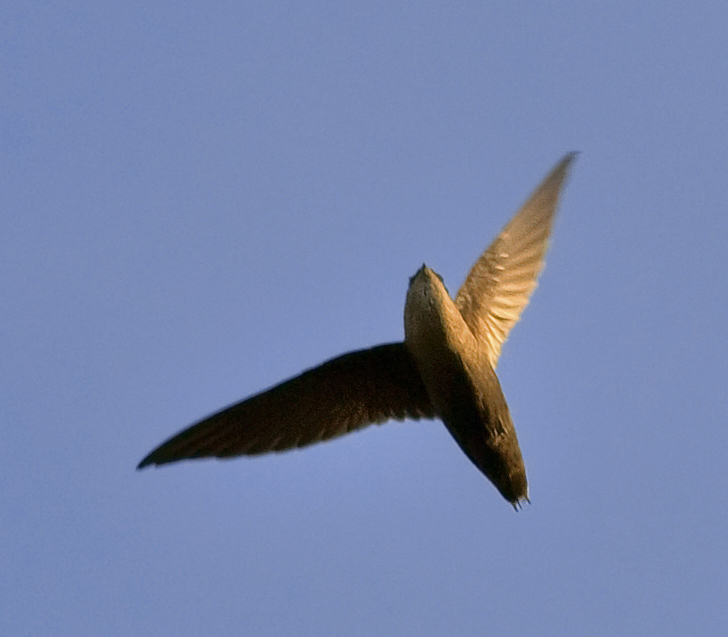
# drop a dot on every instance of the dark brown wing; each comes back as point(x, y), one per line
point(341, 395)
point(502, 280)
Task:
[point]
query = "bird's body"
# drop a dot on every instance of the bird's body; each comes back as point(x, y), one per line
point(445, 367)
point(462, 385)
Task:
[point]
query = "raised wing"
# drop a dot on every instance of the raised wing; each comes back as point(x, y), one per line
point(500, 283)
point(341, 395)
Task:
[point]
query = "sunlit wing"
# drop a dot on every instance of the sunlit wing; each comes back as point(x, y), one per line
point(502, 280)
point(341, 395)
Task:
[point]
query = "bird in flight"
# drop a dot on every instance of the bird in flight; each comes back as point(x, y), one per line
point(445, 368)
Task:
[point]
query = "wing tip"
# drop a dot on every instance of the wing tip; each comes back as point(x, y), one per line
point(570, 157)
point(157, 458)
point(147, 461)
point(560, 171)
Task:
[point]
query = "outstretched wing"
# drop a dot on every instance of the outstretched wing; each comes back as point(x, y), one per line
point(500, 283)
point(341, 395)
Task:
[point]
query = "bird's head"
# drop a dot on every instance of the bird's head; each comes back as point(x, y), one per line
point(426, 286)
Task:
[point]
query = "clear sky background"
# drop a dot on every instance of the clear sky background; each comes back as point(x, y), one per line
point(200, 199)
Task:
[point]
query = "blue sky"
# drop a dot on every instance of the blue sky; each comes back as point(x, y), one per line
point(198, 200)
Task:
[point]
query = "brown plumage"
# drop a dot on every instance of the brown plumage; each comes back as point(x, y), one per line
point(445, 367)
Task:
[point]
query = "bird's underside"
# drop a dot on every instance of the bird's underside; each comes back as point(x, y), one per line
point(445, 368)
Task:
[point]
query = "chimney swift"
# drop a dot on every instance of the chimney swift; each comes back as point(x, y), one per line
point(445, 368)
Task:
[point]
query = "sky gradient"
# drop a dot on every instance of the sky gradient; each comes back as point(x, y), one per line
point(198, 200)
